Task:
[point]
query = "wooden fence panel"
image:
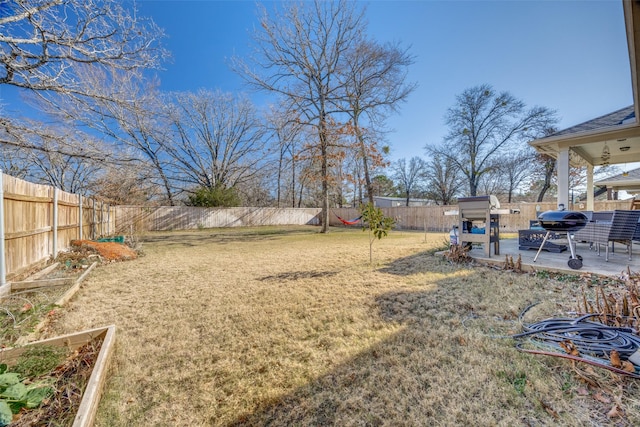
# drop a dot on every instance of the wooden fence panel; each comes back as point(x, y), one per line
point(137, 219)
point(27, 223)
point(29, 229)
point(68, 218)
point(433, 218)
point(29, 214)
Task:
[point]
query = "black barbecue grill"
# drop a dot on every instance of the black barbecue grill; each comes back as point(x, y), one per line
point(563, 222)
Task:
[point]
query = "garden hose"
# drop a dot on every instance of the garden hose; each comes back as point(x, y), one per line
point(588, 337)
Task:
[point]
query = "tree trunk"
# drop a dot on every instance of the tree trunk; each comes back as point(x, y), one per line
point(324, 215)
point(549, 168)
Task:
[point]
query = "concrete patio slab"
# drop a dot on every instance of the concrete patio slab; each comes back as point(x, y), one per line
point(558, 262)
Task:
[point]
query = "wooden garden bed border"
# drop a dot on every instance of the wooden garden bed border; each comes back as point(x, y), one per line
point(64, 299)
point(92, 393)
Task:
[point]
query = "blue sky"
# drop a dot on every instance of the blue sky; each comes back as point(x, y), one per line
point(570, 56)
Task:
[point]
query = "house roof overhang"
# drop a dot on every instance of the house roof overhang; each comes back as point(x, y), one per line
point(586, 146)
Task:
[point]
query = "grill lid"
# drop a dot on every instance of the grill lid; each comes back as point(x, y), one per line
point(562, 220)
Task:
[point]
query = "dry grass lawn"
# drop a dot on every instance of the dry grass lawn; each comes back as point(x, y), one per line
point(286, 326)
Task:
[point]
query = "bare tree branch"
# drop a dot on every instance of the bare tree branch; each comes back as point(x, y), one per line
point(482, 124)
point(42, 40)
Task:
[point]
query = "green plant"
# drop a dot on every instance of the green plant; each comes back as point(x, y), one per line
point(517, 379)
point(17, 393)
point(215, 196)
point(39, 360)
point(543, 274)
point(376, 223)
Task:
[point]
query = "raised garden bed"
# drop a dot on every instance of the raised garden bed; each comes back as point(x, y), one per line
point(84, 354)
point(32, 302)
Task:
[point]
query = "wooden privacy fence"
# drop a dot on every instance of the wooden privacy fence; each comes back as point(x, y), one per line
point(133, 220)
point(37, 221)
point(136, 219)
point(433, 218)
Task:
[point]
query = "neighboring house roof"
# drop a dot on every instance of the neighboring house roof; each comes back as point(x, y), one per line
point(619, 117)
point(633, 174)
point(629, 181)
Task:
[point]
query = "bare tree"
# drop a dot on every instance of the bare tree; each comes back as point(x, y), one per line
point(494, 180)
point(383, 186)
point(218, 139)
point(14, 161)
point(133, 185)
point(131, 116)
point(286, 130)
point(66, 172)
point(32, 135)
point(47, 45)
point(374, 83)
point(443, 181)
point(41, 40)
point(515, 168)
point(409, 176)
point(547, 171)
point(299, 54)
point(482, 124)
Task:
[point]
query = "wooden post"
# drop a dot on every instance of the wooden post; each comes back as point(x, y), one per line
point(54, 226)
point(4, 289)
point(101, 218)
point(93, 225)
point(80, 221)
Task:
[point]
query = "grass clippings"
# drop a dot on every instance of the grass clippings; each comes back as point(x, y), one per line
point(286, 326)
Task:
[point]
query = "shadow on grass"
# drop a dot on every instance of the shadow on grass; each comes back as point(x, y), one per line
point(404, 379)
point(355, 392)
point(296, 275)
point(410, 265)
point(224, 235)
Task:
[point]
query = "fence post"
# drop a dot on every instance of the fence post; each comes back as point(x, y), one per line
point(54, 246)
point(4, 290)
point(93, 225)
point(101, 218)
point(80, 218)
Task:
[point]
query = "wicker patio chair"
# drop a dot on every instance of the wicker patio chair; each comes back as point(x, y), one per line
point(620, 229)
